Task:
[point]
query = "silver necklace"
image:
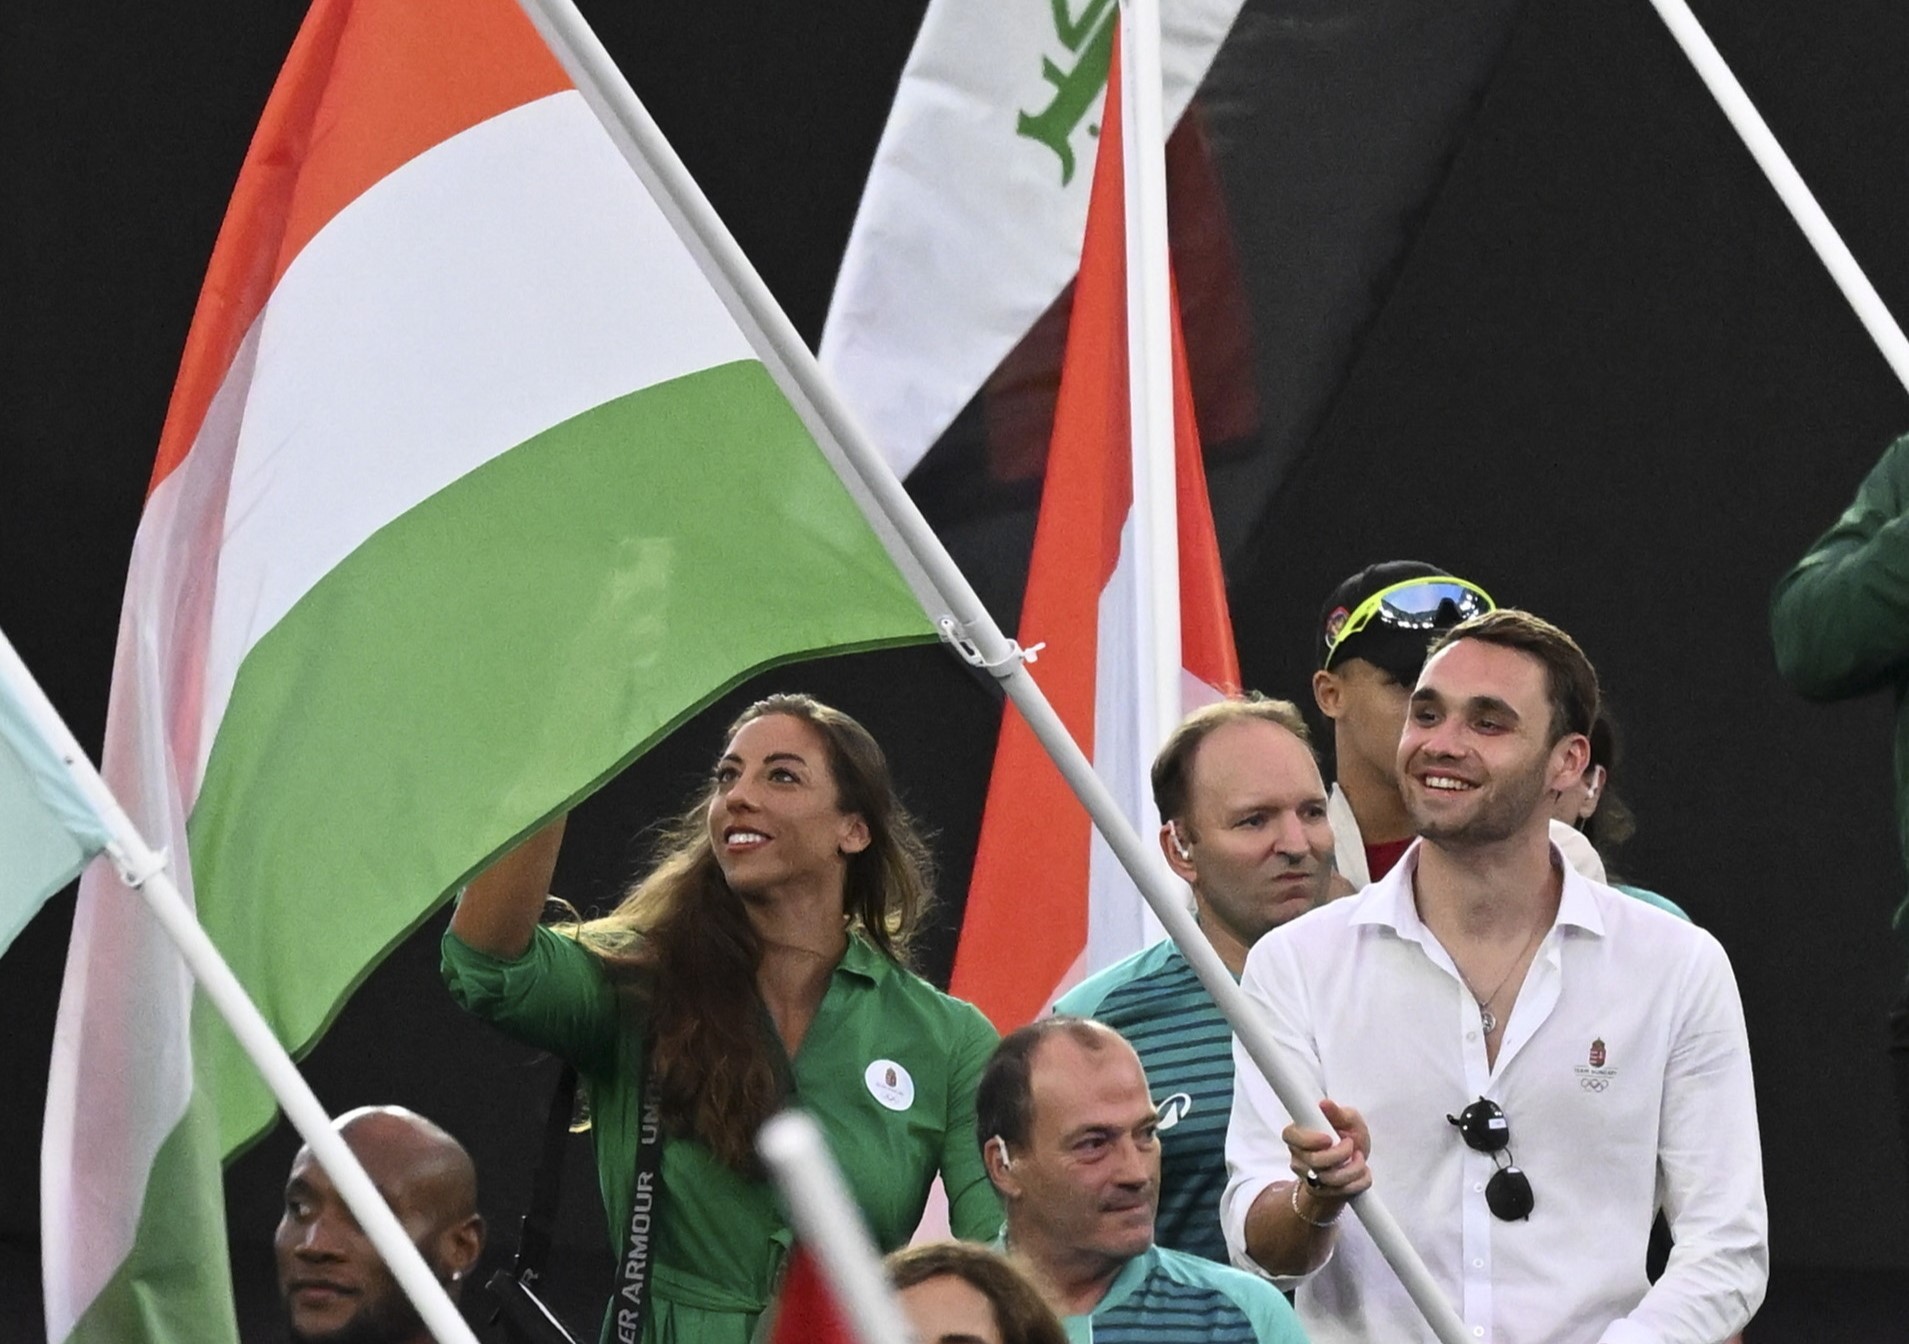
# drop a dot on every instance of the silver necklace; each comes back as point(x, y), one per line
point(1486, 1018)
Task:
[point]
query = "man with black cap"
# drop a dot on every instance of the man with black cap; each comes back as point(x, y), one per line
point(1373, 634)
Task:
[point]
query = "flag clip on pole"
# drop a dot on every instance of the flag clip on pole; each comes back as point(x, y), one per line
point(955, 636)
point(941, 585)
point(828, 1225)
point(1796, 195)
point(144, 870)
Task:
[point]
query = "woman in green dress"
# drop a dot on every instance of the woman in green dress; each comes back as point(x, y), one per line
point(760, 963)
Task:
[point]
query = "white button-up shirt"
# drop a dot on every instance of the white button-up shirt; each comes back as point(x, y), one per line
point(1624, 1072)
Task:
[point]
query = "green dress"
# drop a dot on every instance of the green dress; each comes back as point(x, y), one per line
point(888, 1069)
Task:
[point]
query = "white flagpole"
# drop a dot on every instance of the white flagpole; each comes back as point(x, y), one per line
point(144, 870)
point(1795, 193)
point(966, 624)
point(1150, 376)
point(828, 1224)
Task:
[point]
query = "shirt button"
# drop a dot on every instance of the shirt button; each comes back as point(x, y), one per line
point(1471, 1035)
point(1478, 1264)
point(1479, 1331)
point(1478, 1186)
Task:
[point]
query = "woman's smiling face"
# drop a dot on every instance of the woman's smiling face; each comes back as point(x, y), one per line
point(774, 819)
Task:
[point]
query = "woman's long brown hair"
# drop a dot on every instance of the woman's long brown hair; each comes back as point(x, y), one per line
point(681, 945)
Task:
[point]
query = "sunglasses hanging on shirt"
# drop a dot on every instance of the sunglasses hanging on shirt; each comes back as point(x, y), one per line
point(1485, 1129)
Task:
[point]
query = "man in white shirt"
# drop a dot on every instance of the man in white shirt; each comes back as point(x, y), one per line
point(1534, 1062)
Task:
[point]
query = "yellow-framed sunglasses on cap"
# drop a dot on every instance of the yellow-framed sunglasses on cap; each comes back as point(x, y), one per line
point(1414, 606)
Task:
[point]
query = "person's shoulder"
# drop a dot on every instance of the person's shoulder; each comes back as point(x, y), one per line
point(1085, 999)
point(1654, 900)
point(954, 1018)
point(1653, 932)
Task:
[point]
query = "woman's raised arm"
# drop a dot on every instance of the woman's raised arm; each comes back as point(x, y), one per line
point(500, 908)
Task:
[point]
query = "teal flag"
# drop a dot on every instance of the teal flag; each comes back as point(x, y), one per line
point(47, 830)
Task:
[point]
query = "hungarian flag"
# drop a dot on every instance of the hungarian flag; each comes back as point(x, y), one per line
point(1048, 902)
point(470, 488)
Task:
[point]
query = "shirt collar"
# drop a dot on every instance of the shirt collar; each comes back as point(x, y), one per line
point(865, 961)
point(1131, 1276)
point(1388, 902)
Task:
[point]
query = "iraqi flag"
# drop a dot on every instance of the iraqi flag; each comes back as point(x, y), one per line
point(466, 494)
point(1049, 903)
point(971, 224)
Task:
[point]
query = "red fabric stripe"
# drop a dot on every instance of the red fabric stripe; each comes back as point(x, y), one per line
point(1026, 919)
point(1206, 623)
point(368, 86)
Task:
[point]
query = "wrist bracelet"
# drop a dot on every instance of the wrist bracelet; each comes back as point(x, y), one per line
point(1312, 1222)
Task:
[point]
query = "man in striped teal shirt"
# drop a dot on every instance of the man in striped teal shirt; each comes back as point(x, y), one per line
point(1069, 1134)
point(1244, 808)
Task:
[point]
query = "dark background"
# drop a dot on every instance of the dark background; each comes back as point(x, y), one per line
point(1521, 305)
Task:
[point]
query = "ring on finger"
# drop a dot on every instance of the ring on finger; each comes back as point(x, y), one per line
point(1312, 1179)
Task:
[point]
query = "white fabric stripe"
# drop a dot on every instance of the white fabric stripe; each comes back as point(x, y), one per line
point(121, 1072)
point(504, 281)
point(1119, 921)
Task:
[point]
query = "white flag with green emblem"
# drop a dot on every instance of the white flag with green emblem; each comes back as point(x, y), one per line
point(971, 222)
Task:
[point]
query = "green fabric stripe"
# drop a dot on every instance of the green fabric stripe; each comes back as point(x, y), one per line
point(176, 1286)
point(494, 655)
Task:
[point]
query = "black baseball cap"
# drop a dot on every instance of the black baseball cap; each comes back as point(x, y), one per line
point(1389, 613)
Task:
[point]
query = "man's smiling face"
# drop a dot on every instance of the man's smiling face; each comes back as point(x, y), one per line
point(1477, 761)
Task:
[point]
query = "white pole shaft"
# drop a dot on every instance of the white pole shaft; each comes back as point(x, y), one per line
point(829, 1226)
point(1150, 373)
point(145, 868)
point(801, 380)
point(1795, 193)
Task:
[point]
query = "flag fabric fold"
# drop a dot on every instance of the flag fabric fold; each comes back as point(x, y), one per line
point(47, 830)
point(1048, 902)
point(470, 489)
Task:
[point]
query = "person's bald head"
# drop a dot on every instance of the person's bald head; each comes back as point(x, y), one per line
point(336, 1288)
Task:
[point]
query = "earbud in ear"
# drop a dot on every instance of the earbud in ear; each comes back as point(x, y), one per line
point(1001, 1144)
point(1179, 845)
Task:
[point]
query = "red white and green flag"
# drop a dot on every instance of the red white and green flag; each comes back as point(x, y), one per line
point(1048, 902)
point(469, 490)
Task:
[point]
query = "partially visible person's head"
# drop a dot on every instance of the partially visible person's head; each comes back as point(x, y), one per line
point(1591, 801)
point(1243, 812)
point(1497, 729)
point(1373, 634)
point(954, 1292)
point(1069, 1136)
point(335, 1286)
